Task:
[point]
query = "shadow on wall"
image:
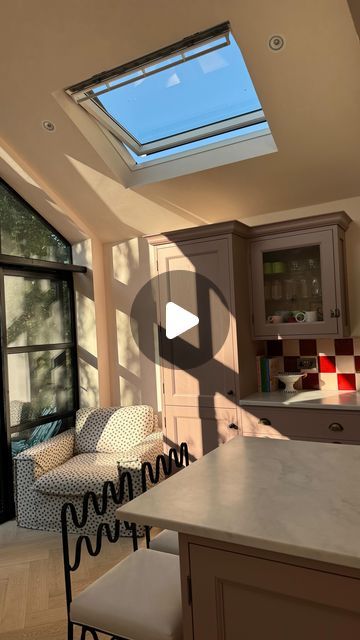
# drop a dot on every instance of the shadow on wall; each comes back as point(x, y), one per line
point(134, 376)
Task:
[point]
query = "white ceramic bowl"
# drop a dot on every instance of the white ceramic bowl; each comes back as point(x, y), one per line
point(289, 380)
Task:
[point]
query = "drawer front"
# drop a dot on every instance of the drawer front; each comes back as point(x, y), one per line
point(307, 424)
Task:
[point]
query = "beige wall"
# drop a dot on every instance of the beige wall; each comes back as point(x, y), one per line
point(134, 377)
point(86, 326)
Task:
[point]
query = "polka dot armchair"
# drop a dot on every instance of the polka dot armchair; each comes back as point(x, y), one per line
point(82, 459)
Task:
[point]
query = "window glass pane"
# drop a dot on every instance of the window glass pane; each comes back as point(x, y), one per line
point(30, 437)
point(202, 91)
point(37, 311)
point(24, 234)
point(42, 381)
point(292, 285)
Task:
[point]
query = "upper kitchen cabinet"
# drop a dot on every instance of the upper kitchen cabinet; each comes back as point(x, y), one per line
point(298, 275)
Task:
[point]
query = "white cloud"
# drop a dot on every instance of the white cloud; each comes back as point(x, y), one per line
point(212, 62)
point(173, 80)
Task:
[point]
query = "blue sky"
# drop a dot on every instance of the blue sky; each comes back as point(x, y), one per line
point(211, 88)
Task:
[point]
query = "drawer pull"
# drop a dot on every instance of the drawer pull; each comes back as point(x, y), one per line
point(335, 426)
point(232, 425)
point(230, 392)
point(265, 421)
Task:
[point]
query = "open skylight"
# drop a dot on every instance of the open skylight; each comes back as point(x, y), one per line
point(192, 96)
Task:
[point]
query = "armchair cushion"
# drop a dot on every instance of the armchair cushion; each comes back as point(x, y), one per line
point(82, 473)
point(113, 429)
point(148, 449)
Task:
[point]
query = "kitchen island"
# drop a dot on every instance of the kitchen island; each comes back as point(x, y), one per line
point(269, 539)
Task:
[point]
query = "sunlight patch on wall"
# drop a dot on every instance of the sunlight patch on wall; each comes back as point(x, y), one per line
point(128, 351)
point(89, 384)
point(86, 323)
point(16, 167)
point(125, 260)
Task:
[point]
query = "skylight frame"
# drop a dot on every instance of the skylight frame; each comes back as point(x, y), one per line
point(237, 148)
point(80, 93)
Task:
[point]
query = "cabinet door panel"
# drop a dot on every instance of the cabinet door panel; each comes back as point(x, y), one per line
point(291, 274)
point(236, 596)
point(208, 384)
point(308, 424)
point(202, 429)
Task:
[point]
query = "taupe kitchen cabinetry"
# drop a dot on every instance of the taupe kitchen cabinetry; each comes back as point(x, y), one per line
point(301, 424)
point(200, 403)
point(203, 429)
point(298, 274)
point(239, 592)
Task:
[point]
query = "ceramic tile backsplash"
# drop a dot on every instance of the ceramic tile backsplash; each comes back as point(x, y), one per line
point(337, 361)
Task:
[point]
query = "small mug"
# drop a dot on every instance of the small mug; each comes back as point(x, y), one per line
point(311, 316)
point(274, 319)
point(278, 267)
point(306, 316)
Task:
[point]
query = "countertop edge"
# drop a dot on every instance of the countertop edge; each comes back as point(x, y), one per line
point(329, 401)
point(260, 544)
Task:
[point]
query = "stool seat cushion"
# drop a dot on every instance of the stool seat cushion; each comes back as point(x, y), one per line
point(139, 598)
point(166, 541)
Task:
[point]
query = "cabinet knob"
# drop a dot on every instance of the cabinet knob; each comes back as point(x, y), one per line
point(232, 425)
point(335, 426)
point(265, 421)
point(230, 392)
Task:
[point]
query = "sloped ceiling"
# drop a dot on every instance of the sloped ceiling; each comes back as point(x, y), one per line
point(310, 92)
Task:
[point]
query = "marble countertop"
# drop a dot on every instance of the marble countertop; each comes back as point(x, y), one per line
point(344, 400)
point(297, 498)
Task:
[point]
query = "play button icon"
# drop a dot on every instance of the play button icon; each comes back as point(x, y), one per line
point(178, 320)
point(188, 312)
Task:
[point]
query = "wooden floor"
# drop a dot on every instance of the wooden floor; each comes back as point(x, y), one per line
point(32, 593)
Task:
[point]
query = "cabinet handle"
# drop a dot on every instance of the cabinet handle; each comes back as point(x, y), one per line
point(335, 313)
point(230, 392)
point(232, 425)
point(265, 421)
point(335, 426)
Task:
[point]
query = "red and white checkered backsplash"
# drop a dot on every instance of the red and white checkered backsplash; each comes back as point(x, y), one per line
point(337, 361)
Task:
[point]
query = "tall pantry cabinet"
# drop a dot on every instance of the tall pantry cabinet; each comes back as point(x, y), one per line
point(200, 403)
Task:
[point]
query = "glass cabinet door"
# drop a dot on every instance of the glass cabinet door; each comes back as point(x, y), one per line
point(294, 285)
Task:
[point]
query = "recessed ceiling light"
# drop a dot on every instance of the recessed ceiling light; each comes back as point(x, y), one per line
point(276, 43)
point(48, 126)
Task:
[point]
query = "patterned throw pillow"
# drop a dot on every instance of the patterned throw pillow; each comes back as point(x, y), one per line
point(112, 429)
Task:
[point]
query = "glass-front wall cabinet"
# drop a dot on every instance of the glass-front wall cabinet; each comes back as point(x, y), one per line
point(298, 284)
point(292, 285)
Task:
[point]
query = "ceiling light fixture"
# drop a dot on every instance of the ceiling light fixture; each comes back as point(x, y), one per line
point(48, 126)
point(276, 43)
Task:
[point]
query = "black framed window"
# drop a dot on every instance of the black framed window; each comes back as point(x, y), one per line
point(38, 371)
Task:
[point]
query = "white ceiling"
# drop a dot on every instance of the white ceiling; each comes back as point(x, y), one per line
point(310, 92)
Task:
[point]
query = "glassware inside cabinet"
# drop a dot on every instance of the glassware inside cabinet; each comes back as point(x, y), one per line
point(292, 285)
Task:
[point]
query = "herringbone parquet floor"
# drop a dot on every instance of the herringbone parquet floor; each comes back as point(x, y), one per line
point(32, 592)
